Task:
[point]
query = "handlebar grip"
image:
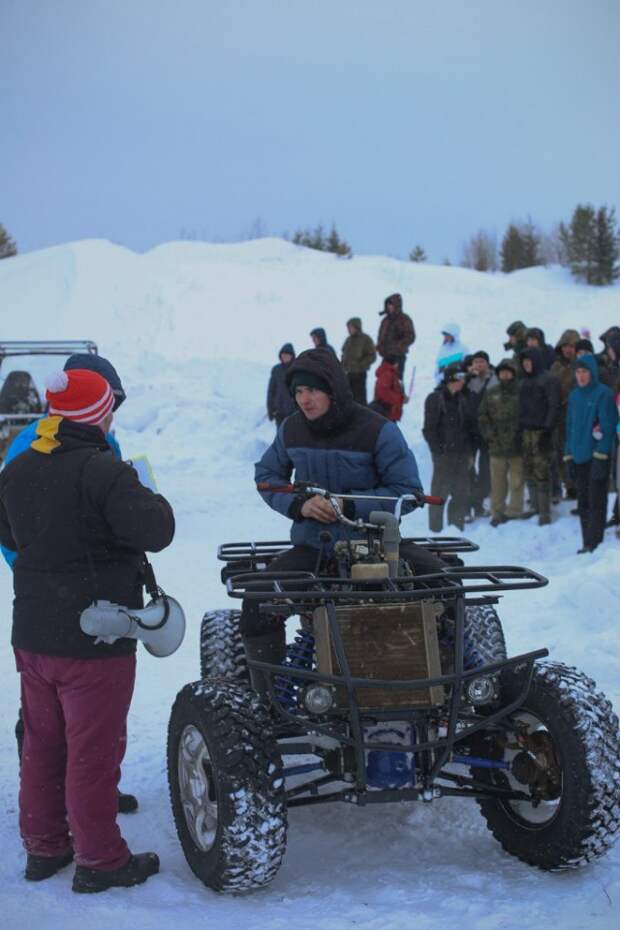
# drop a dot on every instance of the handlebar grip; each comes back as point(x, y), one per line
point(276, 488)
point(430, 499)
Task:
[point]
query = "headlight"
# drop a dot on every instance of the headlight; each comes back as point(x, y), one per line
point(318, 698)
point(480, 690)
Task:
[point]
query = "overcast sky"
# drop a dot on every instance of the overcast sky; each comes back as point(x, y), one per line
point(403, 121)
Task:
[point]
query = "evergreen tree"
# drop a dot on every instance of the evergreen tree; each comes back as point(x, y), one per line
point(580, 242)
point(417, 255)
point(531, 246)
point(512, 249)
point(337, 245)
point(316, 239)
point(606, 268)
point(7, 244)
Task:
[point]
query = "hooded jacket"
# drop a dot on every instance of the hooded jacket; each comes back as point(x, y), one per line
point(279, 401)
point(396, 332)
point(80, 522)
point(518, 330)
point(358, 351)
point(498, 417)
point(547, 352)
point(562, 368)
point(539, 395)
point(450, 352)
point(350, 449)
point(589, 407)
point(321, 335)
point(389, 391)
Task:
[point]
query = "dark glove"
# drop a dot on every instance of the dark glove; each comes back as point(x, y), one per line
point(600, 469)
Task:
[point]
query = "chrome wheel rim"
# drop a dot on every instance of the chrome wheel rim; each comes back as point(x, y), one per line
point(544, 811)
point(197, 788)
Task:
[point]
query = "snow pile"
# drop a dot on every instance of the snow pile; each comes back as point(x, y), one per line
point(193, 330)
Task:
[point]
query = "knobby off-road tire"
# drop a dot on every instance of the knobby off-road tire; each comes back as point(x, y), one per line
point(582, 823)
point(221, 647)
point(484, 636)
point(226, 786)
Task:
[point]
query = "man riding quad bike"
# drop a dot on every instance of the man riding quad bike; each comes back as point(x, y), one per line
point(397, 686)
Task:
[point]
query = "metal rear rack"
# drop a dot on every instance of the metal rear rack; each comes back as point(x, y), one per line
point(310, 589)
point(47, 347)
point(263, 552)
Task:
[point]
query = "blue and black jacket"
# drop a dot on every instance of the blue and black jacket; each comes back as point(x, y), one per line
point(590, 406)
point(349, 450)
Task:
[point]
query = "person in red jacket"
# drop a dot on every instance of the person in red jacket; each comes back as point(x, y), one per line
point(389, 394)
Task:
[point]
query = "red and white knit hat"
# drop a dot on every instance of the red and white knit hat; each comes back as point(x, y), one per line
point(79, 395)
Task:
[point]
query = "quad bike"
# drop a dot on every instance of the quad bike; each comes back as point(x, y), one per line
point(20, 403)
point(396, 688)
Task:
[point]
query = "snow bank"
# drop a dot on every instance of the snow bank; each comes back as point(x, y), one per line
point(193, 329)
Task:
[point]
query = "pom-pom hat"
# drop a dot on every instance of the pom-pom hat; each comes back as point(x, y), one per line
point(79, 395)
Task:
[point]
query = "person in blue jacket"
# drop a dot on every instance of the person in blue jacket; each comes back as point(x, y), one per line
point(127, 803)
point(590, 430)
point(342, 446)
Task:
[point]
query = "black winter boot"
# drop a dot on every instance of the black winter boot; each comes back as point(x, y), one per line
point(135, 871)
point(544, 505)
point(39, 868)
point(269, 646)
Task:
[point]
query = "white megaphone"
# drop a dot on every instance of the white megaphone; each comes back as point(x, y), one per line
point(160, 625)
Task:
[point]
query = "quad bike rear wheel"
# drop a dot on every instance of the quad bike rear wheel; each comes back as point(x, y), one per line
point(221, 647)
point(564, 752)
point(226, 786)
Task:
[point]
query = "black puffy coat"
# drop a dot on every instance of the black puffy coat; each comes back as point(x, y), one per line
point(80, 522)
point(540, 395)
point(448, 425)
point(280, 402)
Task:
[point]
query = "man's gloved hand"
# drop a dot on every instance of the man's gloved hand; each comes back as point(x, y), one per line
point(599, 470)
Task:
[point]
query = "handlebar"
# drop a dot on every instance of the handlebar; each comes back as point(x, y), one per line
point(304, 487)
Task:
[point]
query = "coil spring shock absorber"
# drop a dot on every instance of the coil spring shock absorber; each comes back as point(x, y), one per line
point(299, 655)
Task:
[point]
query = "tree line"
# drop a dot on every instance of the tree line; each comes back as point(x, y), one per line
point(589, 245)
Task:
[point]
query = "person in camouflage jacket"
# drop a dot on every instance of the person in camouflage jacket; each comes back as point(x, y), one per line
point(358, 354)
point(563, 370)
point(396, 332)
point(498, 422)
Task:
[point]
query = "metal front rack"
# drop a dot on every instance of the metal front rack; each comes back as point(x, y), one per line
point(306, 588)
point(298, 592)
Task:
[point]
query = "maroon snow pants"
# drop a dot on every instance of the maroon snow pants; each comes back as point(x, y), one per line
point(75, 714)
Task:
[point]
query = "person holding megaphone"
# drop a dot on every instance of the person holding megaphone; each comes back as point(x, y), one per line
point(80, 522)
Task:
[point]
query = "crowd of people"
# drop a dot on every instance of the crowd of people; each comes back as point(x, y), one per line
point(539, 426)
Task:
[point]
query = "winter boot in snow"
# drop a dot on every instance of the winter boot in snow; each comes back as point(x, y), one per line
point(39, 868)
point(532, 508)
point(544, 504)
point(269, 646)
point(135, 871)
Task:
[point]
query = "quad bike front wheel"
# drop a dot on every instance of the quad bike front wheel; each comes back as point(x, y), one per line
point(221, 647)
point(564, 753)
point(226, 786)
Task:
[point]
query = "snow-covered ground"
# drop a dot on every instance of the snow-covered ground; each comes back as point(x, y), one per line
point(193, 330)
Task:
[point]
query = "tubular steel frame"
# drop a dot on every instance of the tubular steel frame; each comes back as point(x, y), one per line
point(288, 593)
